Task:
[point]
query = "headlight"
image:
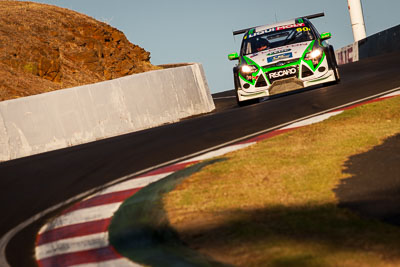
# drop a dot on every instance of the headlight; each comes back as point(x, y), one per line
point(315, 53)
point(315, 56)
point(247, 70)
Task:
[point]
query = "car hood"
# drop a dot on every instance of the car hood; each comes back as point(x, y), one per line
point(282, 53)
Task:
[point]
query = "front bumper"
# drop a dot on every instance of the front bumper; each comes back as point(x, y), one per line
point(268, 83)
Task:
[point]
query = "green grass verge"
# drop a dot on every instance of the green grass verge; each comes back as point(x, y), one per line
point(273, 204)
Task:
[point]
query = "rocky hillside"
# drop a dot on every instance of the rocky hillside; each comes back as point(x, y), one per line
point(45, 48)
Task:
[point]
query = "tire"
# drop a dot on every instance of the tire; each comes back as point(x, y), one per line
point(247, 102)
point(236, 82)
point(333, 65)
point(241, 103)
point(337, 74)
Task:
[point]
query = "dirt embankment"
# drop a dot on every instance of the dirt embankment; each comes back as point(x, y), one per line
point(45, 48)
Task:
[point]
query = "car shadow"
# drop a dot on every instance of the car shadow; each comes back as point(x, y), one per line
point(373, 189)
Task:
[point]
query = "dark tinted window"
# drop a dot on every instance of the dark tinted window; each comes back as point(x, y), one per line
point(277, 37)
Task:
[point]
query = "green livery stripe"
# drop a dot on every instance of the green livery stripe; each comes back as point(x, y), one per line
point(308, 49)
point(252, 82)
point(309, 63)
point(251, 63)
point(302, 59)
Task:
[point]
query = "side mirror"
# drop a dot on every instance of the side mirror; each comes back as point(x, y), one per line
point(233, 56)
point(325, 36)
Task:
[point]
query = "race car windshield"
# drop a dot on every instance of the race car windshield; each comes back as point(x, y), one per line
point(275, 39)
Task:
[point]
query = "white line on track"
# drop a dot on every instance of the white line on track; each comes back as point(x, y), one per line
point(396, 93)
point(10, 234)
point(123, 262)
point(219, 152)
point(312, 120)
point(70, 245)
point(134, 183)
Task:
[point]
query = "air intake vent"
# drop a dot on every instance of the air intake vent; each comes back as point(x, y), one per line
point(261, 81)
point(306, 72)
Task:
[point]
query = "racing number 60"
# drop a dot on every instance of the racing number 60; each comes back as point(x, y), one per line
point(304, 29)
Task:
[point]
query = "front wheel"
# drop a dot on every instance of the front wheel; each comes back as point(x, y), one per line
point(337, 74)
point(333, 65)
point(236, 82)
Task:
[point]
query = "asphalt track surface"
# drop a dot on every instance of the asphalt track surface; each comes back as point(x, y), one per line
point(32, 184)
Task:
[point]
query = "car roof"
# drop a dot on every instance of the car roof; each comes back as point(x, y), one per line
point(260, 28)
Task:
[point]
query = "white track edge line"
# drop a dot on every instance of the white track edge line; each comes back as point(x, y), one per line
point(122, 262)
point(71, 245)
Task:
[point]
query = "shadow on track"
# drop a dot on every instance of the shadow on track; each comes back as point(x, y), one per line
point(373, 189)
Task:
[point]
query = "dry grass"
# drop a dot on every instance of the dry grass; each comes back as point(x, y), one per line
point(273, 204)
point(45, 48)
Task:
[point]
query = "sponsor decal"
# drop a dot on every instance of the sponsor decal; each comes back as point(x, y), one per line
point(279, 28)
point(304, 29)
point(298, 44)
point(274, 50)
point(290, 26)
point(278, 52)
point(282, 73)
point(279, 57)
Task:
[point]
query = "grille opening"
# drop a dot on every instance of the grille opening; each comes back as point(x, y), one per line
point(261, 81)
point(306, 72)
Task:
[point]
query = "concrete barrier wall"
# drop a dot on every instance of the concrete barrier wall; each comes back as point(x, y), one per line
point(380, 43)
point(386, 41)
point(73, 116)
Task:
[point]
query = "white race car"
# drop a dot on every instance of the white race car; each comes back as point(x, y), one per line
point(282, 57)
